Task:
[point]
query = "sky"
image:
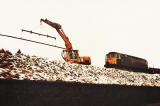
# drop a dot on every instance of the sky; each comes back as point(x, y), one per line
point(94, 27)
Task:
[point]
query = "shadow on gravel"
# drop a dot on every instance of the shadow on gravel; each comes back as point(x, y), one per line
point(42, 93)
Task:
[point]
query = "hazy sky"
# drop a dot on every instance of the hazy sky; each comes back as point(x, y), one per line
point(95, 27)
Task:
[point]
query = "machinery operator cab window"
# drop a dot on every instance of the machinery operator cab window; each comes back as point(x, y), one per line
point(73, 54)
point(70, 54)
point(113, 56)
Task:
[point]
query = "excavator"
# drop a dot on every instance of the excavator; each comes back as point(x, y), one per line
point(68, 54)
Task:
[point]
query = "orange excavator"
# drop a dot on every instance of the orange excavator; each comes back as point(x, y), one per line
point(68, 54)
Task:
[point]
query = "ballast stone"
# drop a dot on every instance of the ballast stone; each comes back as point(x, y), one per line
point(24, 67)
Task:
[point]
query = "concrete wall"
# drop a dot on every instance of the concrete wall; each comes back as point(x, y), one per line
point(41, 93)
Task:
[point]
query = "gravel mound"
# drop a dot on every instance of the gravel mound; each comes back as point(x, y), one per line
point(24, 67)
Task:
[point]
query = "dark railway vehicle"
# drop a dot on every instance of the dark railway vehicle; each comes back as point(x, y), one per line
point(123, 61)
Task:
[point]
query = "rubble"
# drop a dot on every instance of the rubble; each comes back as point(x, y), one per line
point(24, 67)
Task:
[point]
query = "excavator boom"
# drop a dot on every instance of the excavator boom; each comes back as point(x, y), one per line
point(60, 31)
point(69, 54)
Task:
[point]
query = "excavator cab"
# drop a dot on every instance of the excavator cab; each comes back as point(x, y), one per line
point(73, 57)
point(70, 55)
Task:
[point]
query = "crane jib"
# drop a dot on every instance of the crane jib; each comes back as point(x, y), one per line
point(32, 41)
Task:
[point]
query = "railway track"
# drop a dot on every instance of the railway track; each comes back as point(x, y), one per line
point(148, 70)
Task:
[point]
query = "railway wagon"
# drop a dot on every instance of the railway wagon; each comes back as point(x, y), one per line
point(119, 60)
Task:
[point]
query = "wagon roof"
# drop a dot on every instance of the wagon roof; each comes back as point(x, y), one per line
point(127, 55)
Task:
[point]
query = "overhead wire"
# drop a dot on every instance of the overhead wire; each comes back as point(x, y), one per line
point(38, 34)
point(31, 41)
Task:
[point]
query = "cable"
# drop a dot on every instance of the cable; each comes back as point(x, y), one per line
point(38, 34)
point(32, 41)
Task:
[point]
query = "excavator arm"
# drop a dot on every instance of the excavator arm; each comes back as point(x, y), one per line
point(69, 54)
point(59, 29)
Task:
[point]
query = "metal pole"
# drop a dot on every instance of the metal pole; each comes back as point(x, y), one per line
point(32, 41)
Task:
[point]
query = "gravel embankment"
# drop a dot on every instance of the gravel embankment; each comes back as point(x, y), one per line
point(25, 67)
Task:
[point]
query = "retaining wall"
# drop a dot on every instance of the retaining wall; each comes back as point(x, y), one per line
point(43, 93)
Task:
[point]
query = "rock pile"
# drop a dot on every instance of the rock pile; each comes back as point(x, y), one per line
point(24, 67)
